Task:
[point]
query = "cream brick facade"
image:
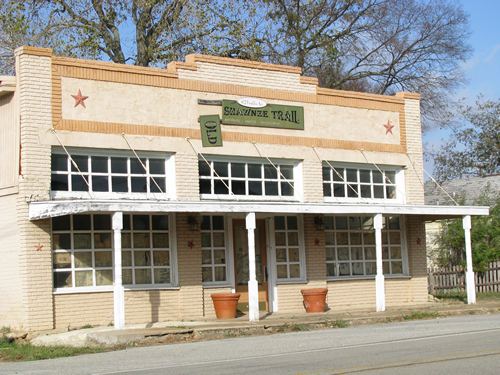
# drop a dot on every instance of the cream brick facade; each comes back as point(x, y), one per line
point(337, 124)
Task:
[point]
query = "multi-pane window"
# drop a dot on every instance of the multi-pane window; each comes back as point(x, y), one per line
point(213, 250)
point(108, 174)
point(350, 246)
point(341, 182)
point(288, 248)
point(246, 178)
point(82, 251)
point(146, 250)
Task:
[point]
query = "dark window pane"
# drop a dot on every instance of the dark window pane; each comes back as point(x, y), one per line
point(341, 222)
point(100, 183)
point(279, 222)
point(366, 191)
point(327, 190)
point(364, 175)
point(138, 184)
point(217, 222)
point(237, 169)
point(254, 171)
point(287, 171)
point(203, 168)
point(255, 188)
point(61, 223)
point(286, 189)
point(126, 222)
point(141, 222)
point(326, 174)
point(156, 166)
point(339, 190)
point(271, 188)
point(62, 279)
point(270, 171)
point(338, 174)
point(205, 223)
point(291, 222)
point(118, 165)
point(352, 191)
point(136, 166)
point(155, 187)
point(354, 222)
point(59, 182)
point(160, 222)
point(102, 222)
point(238, 187)
point(393, 222)
point(390, 192)
point(352, 175)
point(205, 187)
point(390, 177)
point(99, 164)
point(81, 161)
point(59, 162)
point(119, 184)
point(378, 191)
point(81, 222)
point(220, 168)
point(377, 177)
point(78, 183)
point(220, 187)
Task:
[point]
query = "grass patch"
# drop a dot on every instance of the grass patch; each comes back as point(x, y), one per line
point(488, 296)
point(339, 323)
point(418, 315)
point(453, 295)
point(4, 330)
point(11, 351)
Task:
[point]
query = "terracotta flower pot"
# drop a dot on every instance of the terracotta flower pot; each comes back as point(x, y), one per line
point(225, 305)
point(314, 299)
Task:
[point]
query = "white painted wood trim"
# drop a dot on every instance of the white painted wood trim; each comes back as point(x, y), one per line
point(469, 274)
point(118, 290)
point(253, 287)
point(379, 278)
point(273, 288)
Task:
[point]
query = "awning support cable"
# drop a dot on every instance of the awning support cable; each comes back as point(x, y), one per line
point(211, 168)
point(383, 174)
point(335, 170)
point(142, 164)
point(432, 179)
point(275, 167)
point(73, 162)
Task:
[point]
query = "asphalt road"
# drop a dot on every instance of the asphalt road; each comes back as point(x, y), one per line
point(458, 345)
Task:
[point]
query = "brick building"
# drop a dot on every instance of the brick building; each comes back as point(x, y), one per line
point(131, 194)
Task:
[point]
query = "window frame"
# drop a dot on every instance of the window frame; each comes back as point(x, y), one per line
point(403, 246)
point(301, 245)
point(399, 183)
point(294, 163)
point(169, 175)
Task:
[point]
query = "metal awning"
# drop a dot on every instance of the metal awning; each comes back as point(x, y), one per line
point(53, 208)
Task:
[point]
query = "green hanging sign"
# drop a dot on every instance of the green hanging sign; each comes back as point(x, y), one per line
point(269, 116)
point(211, 135)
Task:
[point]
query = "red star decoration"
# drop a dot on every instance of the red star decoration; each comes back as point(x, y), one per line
point(388, 127)
point(39, 247)
point(79, 99)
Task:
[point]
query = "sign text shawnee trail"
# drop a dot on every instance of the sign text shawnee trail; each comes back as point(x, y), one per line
point(271, 116)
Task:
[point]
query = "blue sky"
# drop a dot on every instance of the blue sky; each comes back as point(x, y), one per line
point(482, 70)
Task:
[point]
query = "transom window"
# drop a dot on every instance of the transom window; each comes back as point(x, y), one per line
point(82, 251)
point(289, 248)
point(350, 246)
point(246, 179)
point(108, 174)
point(213, 250)
point(146, 250)
point(365, 182)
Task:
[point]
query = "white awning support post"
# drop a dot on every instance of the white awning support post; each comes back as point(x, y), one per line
point(379, 278)
point(118, 291)
point(253, 287)
point(469, 273)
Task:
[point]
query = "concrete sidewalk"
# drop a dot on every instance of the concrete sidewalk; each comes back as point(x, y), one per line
point(269, 323)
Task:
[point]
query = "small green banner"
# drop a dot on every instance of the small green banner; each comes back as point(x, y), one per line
point(270, 116)
point(211, 135)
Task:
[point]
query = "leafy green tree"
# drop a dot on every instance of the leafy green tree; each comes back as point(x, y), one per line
point(485, 238)
point(474, 150)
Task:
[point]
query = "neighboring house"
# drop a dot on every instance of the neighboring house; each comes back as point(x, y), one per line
point(131, 194)
point(465, 191)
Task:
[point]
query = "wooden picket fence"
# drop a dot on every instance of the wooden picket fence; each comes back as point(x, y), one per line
point(451, 279)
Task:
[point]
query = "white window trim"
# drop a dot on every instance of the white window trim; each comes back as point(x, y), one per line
point(404, 257)
point(399, 183)
point(297, 179)
point(170, 174)
point(302, 255)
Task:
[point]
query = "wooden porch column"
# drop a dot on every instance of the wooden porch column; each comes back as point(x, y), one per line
point(469, 273)
point(118, 291)
point(253, 287)
point(379, 279)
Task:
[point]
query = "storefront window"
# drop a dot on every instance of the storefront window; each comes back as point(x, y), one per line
point(213, 250)
point(289, 249)
point(350, 246)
